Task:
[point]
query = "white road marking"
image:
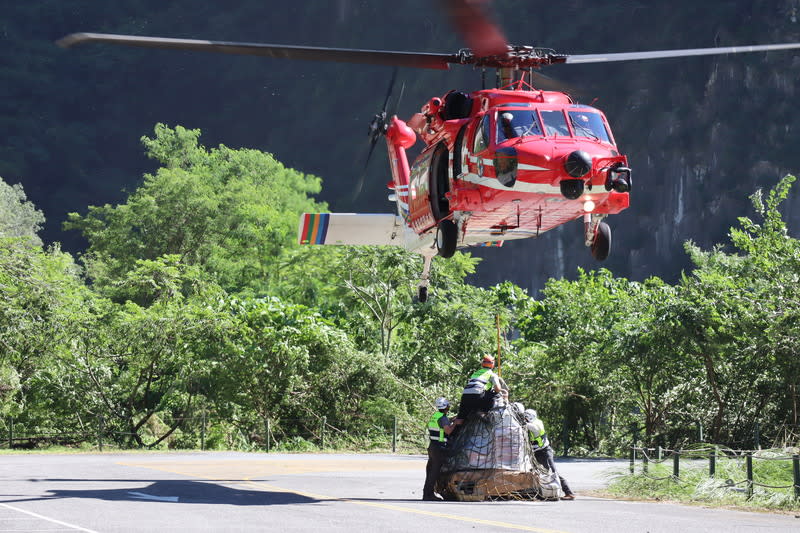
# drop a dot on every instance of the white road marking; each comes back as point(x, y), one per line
point(72, 527)
point(143, 496)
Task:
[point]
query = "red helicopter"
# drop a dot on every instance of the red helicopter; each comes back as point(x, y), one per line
point(509, 162)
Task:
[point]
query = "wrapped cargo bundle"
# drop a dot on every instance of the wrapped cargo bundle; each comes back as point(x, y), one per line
point(489, 456)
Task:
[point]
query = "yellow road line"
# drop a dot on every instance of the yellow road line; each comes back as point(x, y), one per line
point(391, 507)
point(248, 481)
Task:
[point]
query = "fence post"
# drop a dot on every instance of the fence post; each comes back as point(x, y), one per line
point(712, 463)
point(322, 433)
point(676, 462)
point(394, 435)
point(10, 433)
point(633, 458)
point(268, 433)
point(757, 435)
point(645, 460)
point(700, 431)
point(796, 468)
point(749, 462)
point(100, 433)
point(658, 452)
point(203, 432)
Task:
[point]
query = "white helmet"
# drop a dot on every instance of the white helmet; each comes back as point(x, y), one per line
point(442, 403)
point(530, 415)
point(519, 407)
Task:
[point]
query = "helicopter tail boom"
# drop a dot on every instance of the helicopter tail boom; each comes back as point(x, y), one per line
point(351, 229)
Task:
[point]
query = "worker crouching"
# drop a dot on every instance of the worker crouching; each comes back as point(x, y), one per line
point(481, 390)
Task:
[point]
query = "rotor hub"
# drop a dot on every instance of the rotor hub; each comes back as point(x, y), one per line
point(517, 57)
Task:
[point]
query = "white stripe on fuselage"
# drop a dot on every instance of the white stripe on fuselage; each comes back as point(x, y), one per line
point(490, 163)
point(519, 186)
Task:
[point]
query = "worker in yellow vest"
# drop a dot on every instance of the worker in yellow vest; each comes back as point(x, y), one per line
point(481, 390)
point(439, 427)
point(542, 451)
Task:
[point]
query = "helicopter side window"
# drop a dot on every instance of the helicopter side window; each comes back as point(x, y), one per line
point(481, 141)
point(590, 125)
point(517, 123)
point(554, 123)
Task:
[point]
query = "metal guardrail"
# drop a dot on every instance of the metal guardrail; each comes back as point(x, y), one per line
point(712, 454)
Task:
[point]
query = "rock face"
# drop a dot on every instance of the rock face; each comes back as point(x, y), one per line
point(701, 133)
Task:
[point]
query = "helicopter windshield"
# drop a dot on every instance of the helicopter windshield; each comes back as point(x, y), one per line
point(517, 123)
point(555, 123)
point(586, 124)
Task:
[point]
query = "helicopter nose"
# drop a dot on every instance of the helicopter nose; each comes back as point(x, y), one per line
point(578, 164)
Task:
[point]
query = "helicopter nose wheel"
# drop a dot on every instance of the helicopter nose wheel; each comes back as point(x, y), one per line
point(446, 238)
point(601, 245)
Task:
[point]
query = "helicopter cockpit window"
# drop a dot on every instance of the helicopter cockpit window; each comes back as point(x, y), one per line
point(554, 123)
point(481, 141)
point(517, 123)
point(586, 124)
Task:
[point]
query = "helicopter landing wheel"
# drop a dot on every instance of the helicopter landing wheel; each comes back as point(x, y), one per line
point(422, 294)
point(601, 246)
point(446, 238)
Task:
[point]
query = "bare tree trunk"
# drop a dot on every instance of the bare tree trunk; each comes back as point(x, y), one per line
point(712, 380)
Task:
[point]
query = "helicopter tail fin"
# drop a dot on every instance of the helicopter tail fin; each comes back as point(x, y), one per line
point(350, 228)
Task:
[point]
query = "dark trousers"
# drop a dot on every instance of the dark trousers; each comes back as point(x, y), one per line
point(544, 456)
point(475, 402)
point(436, 457)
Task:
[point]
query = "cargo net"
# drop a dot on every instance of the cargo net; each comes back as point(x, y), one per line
point(490, 457)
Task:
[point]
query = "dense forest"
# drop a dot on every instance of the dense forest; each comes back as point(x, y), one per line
point(192, 297)
point(149, 274)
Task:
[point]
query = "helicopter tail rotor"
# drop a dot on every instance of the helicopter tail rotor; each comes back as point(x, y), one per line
point(378, 127)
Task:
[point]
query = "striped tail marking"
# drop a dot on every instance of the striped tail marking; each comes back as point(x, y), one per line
point(315, 228)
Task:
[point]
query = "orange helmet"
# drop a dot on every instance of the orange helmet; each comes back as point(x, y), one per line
point(488, 361)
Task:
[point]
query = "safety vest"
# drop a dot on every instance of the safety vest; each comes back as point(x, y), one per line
point(541, 441)
point(435, 431)
point(478, 381)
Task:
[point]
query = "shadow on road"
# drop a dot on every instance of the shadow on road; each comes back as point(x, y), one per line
point(181, 492)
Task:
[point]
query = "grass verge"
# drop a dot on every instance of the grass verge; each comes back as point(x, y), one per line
point(772, 487)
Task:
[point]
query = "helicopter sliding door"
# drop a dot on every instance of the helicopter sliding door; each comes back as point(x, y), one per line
point(440, 183)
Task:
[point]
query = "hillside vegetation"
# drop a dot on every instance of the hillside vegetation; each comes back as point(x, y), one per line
point(193, 298)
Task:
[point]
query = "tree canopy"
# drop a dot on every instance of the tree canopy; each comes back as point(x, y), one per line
point(193, 298)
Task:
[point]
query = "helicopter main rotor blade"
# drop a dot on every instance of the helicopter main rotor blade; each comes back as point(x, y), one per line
point(310, 53)
point(661, 54)
point(471, 20)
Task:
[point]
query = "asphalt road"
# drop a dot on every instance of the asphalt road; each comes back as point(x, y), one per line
point(215, 491)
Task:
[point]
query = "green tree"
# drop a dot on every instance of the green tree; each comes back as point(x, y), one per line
point(18, 216)
point(229, 212)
